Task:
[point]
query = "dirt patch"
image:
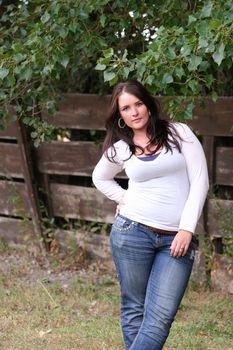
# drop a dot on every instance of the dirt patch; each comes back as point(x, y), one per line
point(28, 264)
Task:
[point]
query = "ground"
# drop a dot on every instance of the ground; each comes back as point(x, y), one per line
point(60, 301)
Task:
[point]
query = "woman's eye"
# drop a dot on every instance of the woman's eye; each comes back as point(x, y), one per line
point(140, 103)
point(125, 108)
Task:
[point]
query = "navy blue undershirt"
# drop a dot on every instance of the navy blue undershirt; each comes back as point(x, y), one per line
point(150, 157)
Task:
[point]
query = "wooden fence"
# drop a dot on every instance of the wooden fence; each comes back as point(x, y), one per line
point(61, 170)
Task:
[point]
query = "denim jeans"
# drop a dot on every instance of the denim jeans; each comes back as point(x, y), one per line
point(152, 282)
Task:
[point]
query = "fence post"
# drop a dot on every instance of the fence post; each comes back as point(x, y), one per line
point(29, 178)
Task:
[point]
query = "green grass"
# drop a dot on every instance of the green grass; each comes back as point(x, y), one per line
point(84, 315)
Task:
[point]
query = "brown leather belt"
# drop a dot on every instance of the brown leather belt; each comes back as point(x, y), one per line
point(159, 230)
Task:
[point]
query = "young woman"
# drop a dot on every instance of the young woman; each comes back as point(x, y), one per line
point(152, 235)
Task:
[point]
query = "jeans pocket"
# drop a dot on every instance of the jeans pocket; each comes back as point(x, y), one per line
point(122, 224)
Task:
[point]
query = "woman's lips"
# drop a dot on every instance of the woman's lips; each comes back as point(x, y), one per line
point(136, 120)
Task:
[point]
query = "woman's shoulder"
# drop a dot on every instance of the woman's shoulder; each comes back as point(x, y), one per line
point(179, 126)
point(182, 129)
point(121, 145)
point(120, 150)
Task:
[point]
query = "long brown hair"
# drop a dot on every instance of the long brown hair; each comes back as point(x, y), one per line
point(161, 132)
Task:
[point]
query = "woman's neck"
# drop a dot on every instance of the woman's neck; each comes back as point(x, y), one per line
point(143, 140)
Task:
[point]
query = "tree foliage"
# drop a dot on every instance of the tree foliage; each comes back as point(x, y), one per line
point(176, 48)
point(189, 53)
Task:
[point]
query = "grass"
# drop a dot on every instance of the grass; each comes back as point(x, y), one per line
point(84, 315)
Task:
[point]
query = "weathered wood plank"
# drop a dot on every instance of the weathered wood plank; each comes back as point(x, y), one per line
point(224, 166)
point(10, 160)
point(208, 144)
point(11, 131)
point(95, 246)
point(81, 111)
point(200, 228)
point(216, 119)
point(220, 217)
point(69, 158)
point(15, 230)
point(14, 199)
point(89, 111)
point(82, 203)
point(73, 158)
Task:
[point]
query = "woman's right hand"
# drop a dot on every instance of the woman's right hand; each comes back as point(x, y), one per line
point(119, 205)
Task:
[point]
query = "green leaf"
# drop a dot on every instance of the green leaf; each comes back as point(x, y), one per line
point(204, 66)
point(214, 24)
point(26, 120)
point(202, 43)
point(18, 108)
point(113, 81)
point(3, 96)
point(65, 61)
point(19, 57)
point(36, 143)
point(167, 78)
point(45, 18)
point(191, 19)
point(185, 51)
point(11, 80)
point(108, 76)
point(100, 66)
point(26, 74)
point(102, 20)
point(193, 84)
point(189, 111)
point(214, 96)
point(125, 54)
point(125, 72)
point(63, 32)
point(17, 47)
point(210, 48)
point(34, 134)
point(46, 70)
point(73, 27)
point(202, 28)
point(3, 73)
point(218, 55)
point(194, 62)
point(108, 53)
point(150, 79)
point(171, 53)
point(207, 10)
point(179, 72)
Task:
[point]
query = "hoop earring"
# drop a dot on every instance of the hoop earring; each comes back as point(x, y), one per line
point(121, 126)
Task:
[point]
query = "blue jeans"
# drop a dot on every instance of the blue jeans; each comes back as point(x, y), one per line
point(152, 282)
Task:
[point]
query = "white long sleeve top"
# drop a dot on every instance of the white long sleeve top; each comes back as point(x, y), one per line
point(168, 192)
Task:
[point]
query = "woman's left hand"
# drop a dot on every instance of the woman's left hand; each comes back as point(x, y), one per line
point(180, 243)
point(119, 205)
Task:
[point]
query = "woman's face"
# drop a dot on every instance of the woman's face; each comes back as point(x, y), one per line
point(133, 111)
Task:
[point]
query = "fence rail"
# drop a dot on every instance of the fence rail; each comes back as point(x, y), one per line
point(62, 170)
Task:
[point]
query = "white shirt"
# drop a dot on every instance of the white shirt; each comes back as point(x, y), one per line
point(168, 192)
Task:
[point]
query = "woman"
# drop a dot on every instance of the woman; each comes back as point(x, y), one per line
point(152, 235)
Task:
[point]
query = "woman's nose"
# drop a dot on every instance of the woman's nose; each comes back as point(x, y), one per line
point(134, 111)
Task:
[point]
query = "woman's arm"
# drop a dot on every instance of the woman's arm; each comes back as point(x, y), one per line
point(199, 185)
point(103, 178)
point(198, 178)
